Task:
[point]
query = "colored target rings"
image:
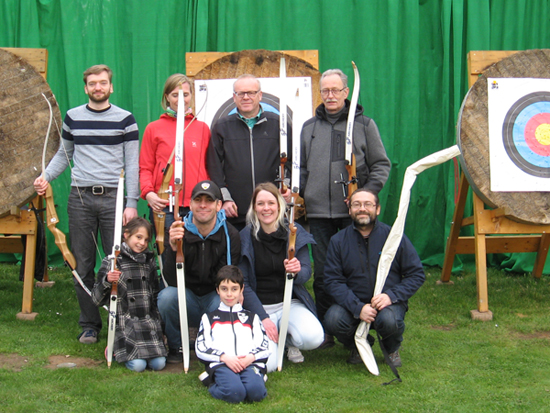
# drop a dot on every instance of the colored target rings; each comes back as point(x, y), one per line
point(526, 134)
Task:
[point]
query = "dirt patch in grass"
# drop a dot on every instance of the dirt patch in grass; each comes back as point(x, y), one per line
point(175, 368)
point(13, 362)
point(538, 335)
point(71, 362)
point(62, 362)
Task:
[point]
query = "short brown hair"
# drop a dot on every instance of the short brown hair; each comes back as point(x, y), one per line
point(230, 273)
point(96, 70)
point(171, 83)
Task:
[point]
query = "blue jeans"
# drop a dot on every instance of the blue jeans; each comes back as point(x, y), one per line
point(237, 387)
point(156, 364)
point(86, 216)
point(389, 323)
point(322, 230)
point(196, 307)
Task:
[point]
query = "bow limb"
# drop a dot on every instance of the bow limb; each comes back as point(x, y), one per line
point(289, 284)
point(180, 268)
point(393, 241)
point(364, 348)
point(350, 157)
point(182, 304)
point(59, 236)
point(293, 207)
point(60, 239)
point(117, 241)
point(51, 213)
point(283, 145)
point(203, 105)
point(349, 185)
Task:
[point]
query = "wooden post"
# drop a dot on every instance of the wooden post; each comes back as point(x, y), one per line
point(22, 224)
point(452, 241)
point(481, 264)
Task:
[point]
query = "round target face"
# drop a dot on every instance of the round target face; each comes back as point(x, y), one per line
point(526, 134)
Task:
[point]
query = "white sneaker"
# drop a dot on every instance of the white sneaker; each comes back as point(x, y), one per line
point(295, 355)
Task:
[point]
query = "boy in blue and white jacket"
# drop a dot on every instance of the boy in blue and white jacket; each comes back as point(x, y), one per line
point(233, 344)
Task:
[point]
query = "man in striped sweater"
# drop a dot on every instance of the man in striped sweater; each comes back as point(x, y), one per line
point(101, 139)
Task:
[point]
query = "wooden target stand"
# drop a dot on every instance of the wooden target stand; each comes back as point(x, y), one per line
point(23, 222)
point(491, 224)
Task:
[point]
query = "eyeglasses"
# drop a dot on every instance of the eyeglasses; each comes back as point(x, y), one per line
point(252, 94)
point(335, 92)
point(367, 205)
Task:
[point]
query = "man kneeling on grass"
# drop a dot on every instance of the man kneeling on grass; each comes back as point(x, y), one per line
point(350, 277)
point(233, 344)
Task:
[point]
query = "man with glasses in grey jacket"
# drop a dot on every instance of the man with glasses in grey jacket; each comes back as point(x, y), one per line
point(323, 164)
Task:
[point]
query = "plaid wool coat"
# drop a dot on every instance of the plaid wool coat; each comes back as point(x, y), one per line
point(138, 333)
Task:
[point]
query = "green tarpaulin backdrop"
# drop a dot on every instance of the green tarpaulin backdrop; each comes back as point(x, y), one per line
point(411, 54)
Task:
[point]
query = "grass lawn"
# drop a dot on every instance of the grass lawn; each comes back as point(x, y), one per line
point(450, 362)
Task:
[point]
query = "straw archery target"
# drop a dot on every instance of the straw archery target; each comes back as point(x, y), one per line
point(519, 133)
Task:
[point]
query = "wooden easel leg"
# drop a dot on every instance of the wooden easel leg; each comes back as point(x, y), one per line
point(28, 280)
point(482, 312)
point(542, 253)
point(452, 241)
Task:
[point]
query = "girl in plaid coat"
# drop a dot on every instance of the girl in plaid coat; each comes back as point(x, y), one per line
point(138, 335)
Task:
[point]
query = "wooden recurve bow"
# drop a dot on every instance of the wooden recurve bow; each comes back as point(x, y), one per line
point(349, 185)
point(180, 259)
point(117, 241)
point(293, 206)
point(283, 145)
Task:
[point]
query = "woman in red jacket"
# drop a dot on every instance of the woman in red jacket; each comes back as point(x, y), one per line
point(158, 144)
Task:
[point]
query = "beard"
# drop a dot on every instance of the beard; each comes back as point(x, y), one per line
point(365, 220)
point(100, 98)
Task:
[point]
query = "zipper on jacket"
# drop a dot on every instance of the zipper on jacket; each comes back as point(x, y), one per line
point(252, 159)
point(203, 264)
point(233, 328)
point(252, 169)
point(330, 174)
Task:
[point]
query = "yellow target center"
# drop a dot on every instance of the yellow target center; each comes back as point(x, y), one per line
point(542, 134)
